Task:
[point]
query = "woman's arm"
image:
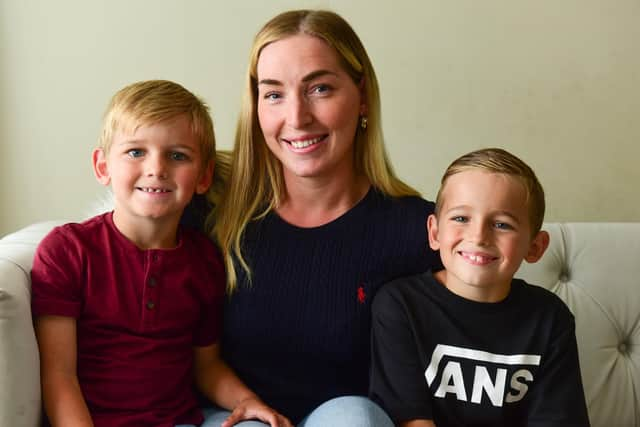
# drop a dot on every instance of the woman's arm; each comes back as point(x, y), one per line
point(218, 382)
point(63, 400)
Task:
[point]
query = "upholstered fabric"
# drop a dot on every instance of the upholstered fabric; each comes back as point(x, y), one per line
point(19, 360)
point(593, 267)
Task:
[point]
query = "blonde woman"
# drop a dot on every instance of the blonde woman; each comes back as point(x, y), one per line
point(312, 223)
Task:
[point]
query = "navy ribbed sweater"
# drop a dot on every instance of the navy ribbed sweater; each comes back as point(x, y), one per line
point(298, 335)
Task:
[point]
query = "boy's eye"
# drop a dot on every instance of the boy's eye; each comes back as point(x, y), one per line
point(320, 89)
point(503, 226)
point(134, 152)
point(176, 155)
point(461, 219)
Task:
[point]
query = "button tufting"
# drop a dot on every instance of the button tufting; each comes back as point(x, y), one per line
point(622, 347)
point(564, 277)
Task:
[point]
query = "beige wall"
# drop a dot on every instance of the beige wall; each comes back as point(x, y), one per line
point(556, 82)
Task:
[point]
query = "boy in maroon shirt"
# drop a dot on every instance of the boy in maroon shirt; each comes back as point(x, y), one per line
point(127, 305)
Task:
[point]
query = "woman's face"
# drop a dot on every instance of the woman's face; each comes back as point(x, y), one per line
point(308, 107)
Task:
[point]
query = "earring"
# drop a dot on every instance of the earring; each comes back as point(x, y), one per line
point(363, 122)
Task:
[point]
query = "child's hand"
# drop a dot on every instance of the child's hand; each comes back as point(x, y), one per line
point(254, 408)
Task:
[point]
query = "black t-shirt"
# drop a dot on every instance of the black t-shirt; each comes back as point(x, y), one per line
point(439, 356)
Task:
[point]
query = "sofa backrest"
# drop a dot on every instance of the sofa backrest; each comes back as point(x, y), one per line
point(595, 269)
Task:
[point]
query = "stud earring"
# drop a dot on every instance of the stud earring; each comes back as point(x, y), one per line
point(363, 122)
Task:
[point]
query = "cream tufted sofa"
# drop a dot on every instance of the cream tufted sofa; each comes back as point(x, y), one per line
point(593, 267)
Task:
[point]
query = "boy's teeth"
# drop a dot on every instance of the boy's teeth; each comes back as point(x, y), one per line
point(477, 258)
point(303, 144)
point(153, 190)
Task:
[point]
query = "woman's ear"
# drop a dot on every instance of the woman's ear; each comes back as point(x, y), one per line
point(432, 232)
point(538, 245)
point(364, 110)
point(100, 167)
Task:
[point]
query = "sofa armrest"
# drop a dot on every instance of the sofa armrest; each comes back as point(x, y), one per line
point(20, 397)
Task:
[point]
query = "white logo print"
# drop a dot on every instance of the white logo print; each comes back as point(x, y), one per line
point(452, 381)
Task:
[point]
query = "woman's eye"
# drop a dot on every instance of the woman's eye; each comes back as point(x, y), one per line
point(135, 152)
point(272, 96)
point(178, 156)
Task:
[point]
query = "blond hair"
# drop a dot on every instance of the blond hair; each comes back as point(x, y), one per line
point(497, 160)
point(256, 183)
point(153, 101)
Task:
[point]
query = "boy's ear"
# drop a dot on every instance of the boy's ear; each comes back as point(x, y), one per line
point(100, 167)
point(206, 178)
point(538, 245)
point(432, 232)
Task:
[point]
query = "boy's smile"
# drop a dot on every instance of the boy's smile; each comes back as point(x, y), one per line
point(478, 258)
point(483, 233)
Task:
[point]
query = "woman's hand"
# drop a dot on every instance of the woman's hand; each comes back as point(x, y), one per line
point(254, 408)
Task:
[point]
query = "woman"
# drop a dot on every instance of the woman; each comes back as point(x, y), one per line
point(312, 223)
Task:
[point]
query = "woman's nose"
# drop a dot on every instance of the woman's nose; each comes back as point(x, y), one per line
point(298, 112)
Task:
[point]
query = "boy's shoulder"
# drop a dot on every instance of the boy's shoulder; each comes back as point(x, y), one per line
point(537, 298)
point(400, 291)
point(77, 231)
point(538, 294)
point(86, 225)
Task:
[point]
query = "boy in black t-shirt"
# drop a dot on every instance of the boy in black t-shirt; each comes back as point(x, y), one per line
point(471, 345)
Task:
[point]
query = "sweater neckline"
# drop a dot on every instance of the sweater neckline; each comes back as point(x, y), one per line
point(358, 210)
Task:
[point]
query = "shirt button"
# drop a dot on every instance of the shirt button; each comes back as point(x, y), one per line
point(151, 305)
point(155, 257)
point(152, 282)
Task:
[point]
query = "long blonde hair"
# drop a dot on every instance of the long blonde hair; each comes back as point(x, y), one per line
point(256, 183)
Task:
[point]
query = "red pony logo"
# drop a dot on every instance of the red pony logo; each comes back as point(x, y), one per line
point(361, 295)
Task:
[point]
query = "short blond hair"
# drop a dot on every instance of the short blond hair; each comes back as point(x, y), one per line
point(497, 160)
point(153, 101)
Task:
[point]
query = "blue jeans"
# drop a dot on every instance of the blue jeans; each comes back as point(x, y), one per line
point(345, 411)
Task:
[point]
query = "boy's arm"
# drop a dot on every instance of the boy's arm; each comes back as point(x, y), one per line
point(63, 400)
point(557, 394)
point(397, 381)
point(220, 384)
